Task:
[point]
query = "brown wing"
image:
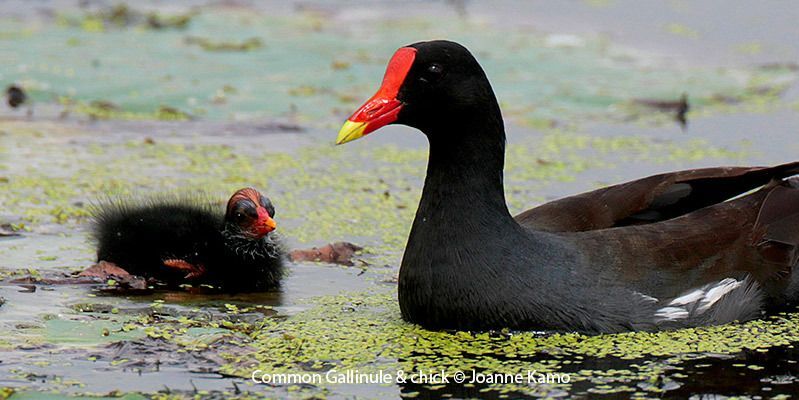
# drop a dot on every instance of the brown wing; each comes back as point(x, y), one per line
point(652, 199)
point(776, 231)
point(756, 235)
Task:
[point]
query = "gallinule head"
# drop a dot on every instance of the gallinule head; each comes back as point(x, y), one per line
point(188, 241)
point(680, 249)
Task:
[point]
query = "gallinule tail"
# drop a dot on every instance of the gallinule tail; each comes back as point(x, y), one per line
point(681, 249)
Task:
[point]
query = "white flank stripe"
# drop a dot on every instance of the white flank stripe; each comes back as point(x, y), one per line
point(696, 295)
point(717, 292)
point(672, 313)
point(645, 297)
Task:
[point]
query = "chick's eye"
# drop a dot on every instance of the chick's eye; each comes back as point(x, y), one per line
point(246, 212)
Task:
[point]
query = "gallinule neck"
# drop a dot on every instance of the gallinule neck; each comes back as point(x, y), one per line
point(181, 241)
point(674, 250)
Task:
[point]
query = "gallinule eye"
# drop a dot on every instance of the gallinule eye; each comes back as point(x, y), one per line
point(680, 249)
point(189, 241)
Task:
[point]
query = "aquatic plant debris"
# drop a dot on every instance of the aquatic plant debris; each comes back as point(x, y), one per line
point(592, 79)
point(316, 190)
point(121, 16)
point(335, 253)
point(210, 45)
point(217, 120)
point(370, 336)
point(7, 233)
point(114, 276)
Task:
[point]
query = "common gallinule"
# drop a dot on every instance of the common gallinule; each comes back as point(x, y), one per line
point(188, 241)
point(674, 250)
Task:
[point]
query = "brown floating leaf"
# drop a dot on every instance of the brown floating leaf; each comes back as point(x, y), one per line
point(100, 272)
point(5, 231)
point(679, 107)
point(336, 253)
point(105, 270)
point(665, 105)
point(27, 289)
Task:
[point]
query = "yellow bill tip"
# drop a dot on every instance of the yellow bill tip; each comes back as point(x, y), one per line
point(350, 131)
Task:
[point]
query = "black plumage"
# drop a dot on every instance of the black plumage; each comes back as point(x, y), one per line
point(184, 240)
point(680, 249)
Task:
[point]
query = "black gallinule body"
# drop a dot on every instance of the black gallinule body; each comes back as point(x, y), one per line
point(680, 249)
point(188, 241)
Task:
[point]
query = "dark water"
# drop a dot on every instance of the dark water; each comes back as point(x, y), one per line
point(573, 64)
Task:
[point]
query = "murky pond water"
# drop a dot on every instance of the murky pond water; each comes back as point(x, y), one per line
point(210, 98)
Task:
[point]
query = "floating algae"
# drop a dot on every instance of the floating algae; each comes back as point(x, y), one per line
point(211, 45)
point(363, 331)
point(321, 198)
point(321, 68)
point(305, 78)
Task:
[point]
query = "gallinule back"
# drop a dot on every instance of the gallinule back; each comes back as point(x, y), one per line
point(187, 240)
point(674, 250)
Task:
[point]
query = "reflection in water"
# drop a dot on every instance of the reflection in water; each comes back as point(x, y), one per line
point(751, 373)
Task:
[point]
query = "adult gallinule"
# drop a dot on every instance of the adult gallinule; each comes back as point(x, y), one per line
point(188, 241)
point(674, 250)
